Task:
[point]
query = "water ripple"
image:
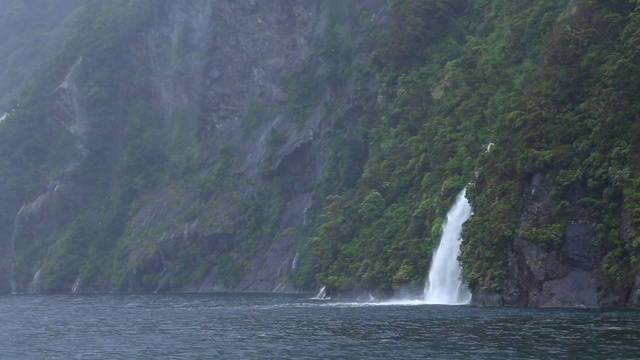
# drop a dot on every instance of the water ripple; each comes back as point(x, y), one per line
point(241, 326)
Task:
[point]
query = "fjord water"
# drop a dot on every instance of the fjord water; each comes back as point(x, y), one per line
point(269, 326)
point(444, 285)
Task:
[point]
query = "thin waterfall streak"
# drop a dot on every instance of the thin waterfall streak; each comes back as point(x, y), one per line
point(322, 294)
point(74, 288)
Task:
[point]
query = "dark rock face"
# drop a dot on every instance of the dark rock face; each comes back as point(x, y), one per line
point(635, 295)
point(577, 288)
point(566, 277)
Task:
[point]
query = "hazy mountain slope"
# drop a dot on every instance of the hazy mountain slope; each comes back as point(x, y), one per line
point(31, 32)
point(179, 145)
point(285, 145)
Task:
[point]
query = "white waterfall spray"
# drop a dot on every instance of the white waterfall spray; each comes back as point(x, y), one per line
point(14, 256)
point(322, 294)
point(74, 288)
point(35, 282)
point(444, 285)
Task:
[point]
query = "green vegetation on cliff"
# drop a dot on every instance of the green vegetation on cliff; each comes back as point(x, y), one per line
point(551, 85)
point(139, 166)
point(149, 155)
point(40, 142)
point(576, 124)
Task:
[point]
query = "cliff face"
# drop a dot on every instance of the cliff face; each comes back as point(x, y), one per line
point(192, 168)
point(290, 144)
point(528, 106)
point(563, 180)
point(569, 275)
point(566, 276)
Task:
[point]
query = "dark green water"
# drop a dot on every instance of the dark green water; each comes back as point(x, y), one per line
point(251, 326)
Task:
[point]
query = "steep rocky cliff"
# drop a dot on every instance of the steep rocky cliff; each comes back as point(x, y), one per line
point(284, 145)
point(194, 164)
point(527, 104)
point(561, 186)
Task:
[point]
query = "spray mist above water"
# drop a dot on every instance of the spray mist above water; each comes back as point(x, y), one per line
point(444, 285)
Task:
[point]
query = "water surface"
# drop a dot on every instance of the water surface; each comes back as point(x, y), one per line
point(268, 326)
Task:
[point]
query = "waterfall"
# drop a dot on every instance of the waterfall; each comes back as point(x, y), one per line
point(14, 257)
point(322, 294)
point(444, 285)
point(33, 287)
point(294, 263)
point(280, 287)
point(74, 288)
point(12, 280)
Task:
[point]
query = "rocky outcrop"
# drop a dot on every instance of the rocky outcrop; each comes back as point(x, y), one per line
point(562, 277)
point(568, 274)
point(538, 277)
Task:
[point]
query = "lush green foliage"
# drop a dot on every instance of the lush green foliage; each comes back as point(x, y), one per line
point(380, 235)
point(550, 83)
point(37, 146)
point(574, 124)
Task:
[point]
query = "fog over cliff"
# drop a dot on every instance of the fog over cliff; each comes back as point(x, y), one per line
point(288, 145)
point(185, 142)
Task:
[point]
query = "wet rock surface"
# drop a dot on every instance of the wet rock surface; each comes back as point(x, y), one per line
point(564, 277)
point(218, 59)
